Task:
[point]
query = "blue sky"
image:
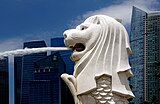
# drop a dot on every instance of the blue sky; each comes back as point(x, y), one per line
point(26, 20)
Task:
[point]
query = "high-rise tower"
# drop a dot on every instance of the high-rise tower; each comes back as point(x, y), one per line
point(137, 41)
point(28, 68)
point(145, 39)
point(47, 86)
point(153, 57)
point(4, 82)
point(59, 42)
point(17, 78)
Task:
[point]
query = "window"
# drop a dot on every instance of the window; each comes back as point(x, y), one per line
point(54, 58)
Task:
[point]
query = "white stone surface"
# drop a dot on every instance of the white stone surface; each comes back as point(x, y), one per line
point(101, 62)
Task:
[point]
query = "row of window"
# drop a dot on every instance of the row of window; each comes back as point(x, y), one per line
point(44, 70)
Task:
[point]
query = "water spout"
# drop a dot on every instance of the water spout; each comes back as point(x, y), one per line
point(27, 51)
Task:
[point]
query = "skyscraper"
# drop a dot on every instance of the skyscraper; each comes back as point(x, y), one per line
point(27, 81)
point(137, 58)
point(152, 57)
point(145, 39)
point(59, 42)
point(17, 78)
point(47, 86)
point(4, 82)
point(40, 92)
point(28, 68)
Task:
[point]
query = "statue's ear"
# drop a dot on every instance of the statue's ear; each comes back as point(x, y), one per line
point(96, 20)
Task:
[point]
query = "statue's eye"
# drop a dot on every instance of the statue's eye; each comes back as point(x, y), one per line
point(83, 27)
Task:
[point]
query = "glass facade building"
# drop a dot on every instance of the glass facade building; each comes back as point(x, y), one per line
point(153, 56)
point(47, 81)
point(59, 42)
point(40, 92)
point(28, 68)
point(29, 81)
point(4, 82)
point(137, 40)
point(17, 78)
point(144, 40)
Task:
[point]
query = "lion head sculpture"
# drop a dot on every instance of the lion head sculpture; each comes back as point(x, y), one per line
point(100, 47)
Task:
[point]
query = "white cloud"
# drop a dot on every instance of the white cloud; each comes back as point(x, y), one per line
point(122, 10)
point(17, 43)
point(47, 35)
point(11, 44)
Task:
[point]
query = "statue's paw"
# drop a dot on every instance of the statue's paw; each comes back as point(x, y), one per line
point(69, 78)
point(64, 75)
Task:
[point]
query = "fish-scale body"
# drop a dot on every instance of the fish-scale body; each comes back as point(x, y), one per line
point(103, 93)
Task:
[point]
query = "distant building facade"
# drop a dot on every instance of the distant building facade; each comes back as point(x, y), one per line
point(4, 81)
point(40, 92)
point(59, 42)
point(37, 76)
point(47, 86)
point(137, 41)
point(145, 41)
point(32, 84)
point(17, 78)
point(28, 68)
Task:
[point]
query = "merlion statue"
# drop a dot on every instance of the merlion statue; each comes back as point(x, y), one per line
point(100, 51)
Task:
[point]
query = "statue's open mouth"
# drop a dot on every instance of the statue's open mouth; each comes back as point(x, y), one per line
point(78, 47)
